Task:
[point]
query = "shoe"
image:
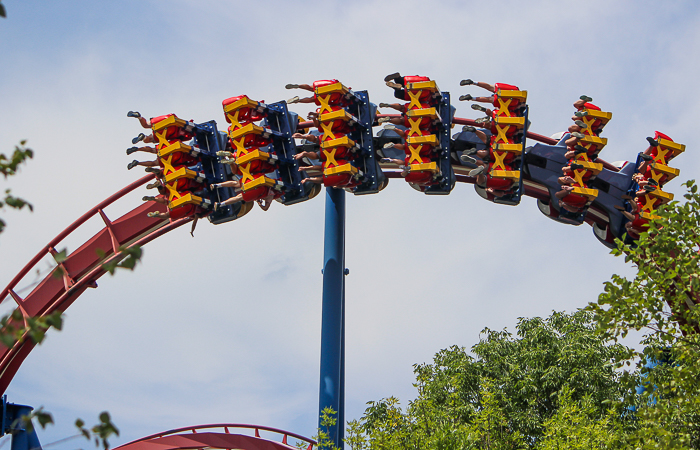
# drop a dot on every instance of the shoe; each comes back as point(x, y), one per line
point(138, 138)
point(292, 86)
point(153, 185)
point(152, 170)
point(470, 151)
point(482, 120)
point(148, 198)
point(389, 126)
point(578, 135)
point(152, 214)
point(646, 157)
point(393, 85)
point(135, 114)
point(653, 182)
point(384, 105)
point(580, 123)
point(466, 82)
point(581, 113)
point(652, 142)
point(224, 154)
point(469, 128)
point(294, 99)
point(132, 164)
point(586, 98)
point(580, 149)
point(467, 159)
point(477, 171)
point(649, 188)
point(389, 145)
point(478, 108)
point(575, 166)
point(131, 150)
point(392, 76)
point(382, 120)
point(465, 97)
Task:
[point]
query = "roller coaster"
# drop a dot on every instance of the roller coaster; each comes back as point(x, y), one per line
point(270, 154)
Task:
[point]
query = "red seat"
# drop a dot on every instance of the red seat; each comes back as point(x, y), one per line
point(245, 115)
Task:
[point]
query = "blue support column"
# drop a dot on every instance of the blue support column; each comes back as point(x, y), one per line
point(22, 439)
point(332, 318)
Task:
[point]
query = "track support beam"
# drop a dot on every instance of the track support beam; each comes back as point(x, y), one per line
point(332, 380)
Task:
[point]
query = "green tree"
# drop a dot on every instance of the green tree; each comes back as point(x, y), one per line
point(662, 300)
point(503, 395)
point(577, 425)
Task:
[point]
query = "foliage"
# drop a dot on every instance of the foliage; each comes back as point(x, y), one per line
point(504, 396)
point(100, 432)
point(26, 422)
point(323, 438)
point(127, 259)
point(577, 426)
point(662, 300)
point(9, 167)
point(15, 328)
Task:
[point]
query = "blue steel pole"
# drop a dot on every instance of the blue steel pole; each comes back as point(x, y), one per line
point(332, 319)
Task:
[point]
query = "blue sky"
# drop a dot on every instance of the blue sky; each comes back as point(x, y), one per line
point(225, 327)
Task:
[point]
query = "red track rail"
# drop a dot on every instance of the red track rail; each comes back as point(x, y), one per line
point(193, 437)
point(82, 267)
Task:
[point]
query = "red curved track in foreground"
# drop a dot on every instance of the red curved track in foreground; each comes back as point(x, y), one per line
point(196, 438)
point(83, 266)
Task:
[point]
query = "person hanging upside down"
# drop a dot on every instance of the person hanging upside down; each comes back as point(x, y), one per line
point(334, 99)
point(498, 187)
point(161, 198)
point(263, 203)
point(398, 84)
point(178, 134)
point(492, 99)
point(573, 203)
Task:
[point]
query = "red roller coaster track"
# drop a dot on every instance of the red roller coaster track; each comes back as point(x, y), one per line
point(196, 438)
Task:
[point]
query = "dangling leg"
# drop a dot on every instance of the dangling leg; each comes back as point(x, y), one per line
point(159, 215)
point(232, 184)
point(135, 163)
point(305, 87)
point(296, 99)
point(317, 180)
point(480, 134)
point(230, 201)
point(394, 120)
point(398, 131)
point(397, 106)
point(131, 150)
point(308, 137)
